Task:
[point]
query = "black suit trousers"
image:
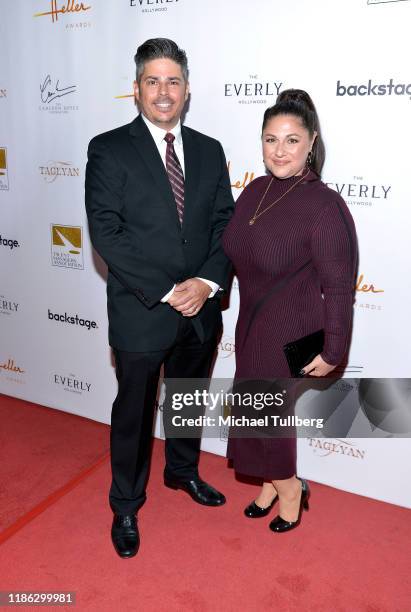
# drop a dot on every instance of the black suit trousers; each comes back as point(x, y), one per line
point(133, 412)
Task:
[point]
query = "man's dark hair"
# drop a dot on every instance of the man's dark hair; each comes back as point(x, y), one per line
point(159, 48)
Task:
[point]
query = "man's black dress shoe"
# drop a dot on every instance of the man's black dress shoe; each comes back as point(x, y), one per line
point(199, 491)
point(279, 525)
point(124, 535)
point(255, 511)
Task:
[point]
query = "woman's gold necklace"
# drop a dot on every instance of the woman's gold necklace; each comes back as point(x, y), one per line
point(258, 213)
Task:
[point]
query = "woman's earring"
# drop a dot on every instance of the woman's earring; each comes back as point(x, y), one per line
point(309, 158)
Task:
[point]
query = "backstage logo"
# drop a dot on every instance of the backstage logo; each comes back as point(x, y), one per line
point(12, 371)
point(4, 175)
point(371, 88)
point(326, 448)
point(9, 243)
point(58, 9)
point(359, 192)
point(243, 181)
point(72, 320)
point(226, 347)
point(8, 306)
point(52, 91)
point(53, 169)
point(67, 246)
point(254, 90)
point(71, 383)
point(154, 6)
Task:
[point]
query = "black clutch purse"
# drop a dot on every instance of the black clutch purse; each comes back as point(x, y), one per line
point(302, 351)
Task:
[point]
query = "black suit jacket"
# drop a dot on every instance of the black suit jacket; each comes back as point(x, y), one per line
point(135, 228)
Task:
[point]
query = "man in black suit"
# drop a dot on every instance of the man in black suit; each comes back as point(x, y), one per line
point(158, 197)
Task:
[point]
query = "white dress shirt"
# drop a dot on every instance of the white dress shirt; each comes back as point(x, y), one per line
point(158, 137)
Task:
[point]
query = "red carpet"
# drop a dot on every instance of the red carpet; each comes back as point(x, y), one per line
point(350, 554)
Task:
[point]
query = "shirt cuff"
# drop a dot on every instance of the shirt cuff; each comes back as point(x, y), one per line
point(168, 295)
point(214, 287)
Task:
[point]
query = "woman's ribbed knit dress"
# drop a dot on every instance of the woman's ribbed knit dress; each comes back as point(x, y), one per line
point(304, 251)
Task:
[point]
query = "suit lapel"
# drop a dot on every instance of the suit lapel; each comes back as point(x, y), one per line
point(148, 152)
point(192, 161)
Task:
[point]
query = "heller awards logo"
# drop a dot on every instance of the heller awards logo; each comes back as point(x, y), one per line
point(253, 91)
point(54, 169)
point(51, 93)
point(4, 176)
point(61, 9)
point(67, 246)
point(371, 88)
point(370, 289)
point(244, 180)
point(71, 383)
point(12, 371)
point(153, 6)
point(359, 192)
point(328, 447)
point(7, 306)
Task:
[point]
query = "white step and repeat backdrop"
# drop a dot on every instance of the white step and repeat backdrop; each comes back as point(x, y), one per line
point(66, 74)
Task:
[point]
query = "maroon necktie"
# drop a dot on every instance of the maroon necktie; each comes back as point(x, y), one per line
point(175, 174)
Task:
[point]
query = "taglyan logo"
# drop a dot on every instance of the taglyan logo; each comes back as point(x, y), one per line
point(153, 6)
point(72, 320)
point(7, 306)
point(4, 175)
point(71, 383)
point(359, 192)
point(9, 243)
point(51, 94)
point(374, 89)
point(243, 181)
point(254, 90)
point(67, 246)
point(226, 347)
point(11, 371)
point(53, 169)
point(327, 448)
point(61, 8)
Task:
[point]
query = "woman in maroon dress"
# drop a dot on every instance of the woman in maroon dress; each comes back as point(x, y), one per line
point(292, 242)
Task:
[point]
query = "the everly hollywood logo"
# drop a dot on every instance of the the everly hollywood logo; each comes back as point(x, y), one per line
point(67, 246)
point(153, 6)
point(72, 320)
point(54, 169)
point(71, 383)
point(372, 88)
point(4, 176)
point(8, 306)
point(359, 192)
point(254, 90)
point(10, 243)
point(57, 8)
point(51, 94)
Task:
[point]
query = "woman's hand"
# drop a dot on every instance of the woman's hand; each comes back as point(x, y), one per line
point(318, 367)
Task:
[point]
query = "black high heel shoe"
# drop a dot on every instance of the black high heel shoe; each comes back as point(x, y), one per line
point(254, 511)
point(279, 525)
